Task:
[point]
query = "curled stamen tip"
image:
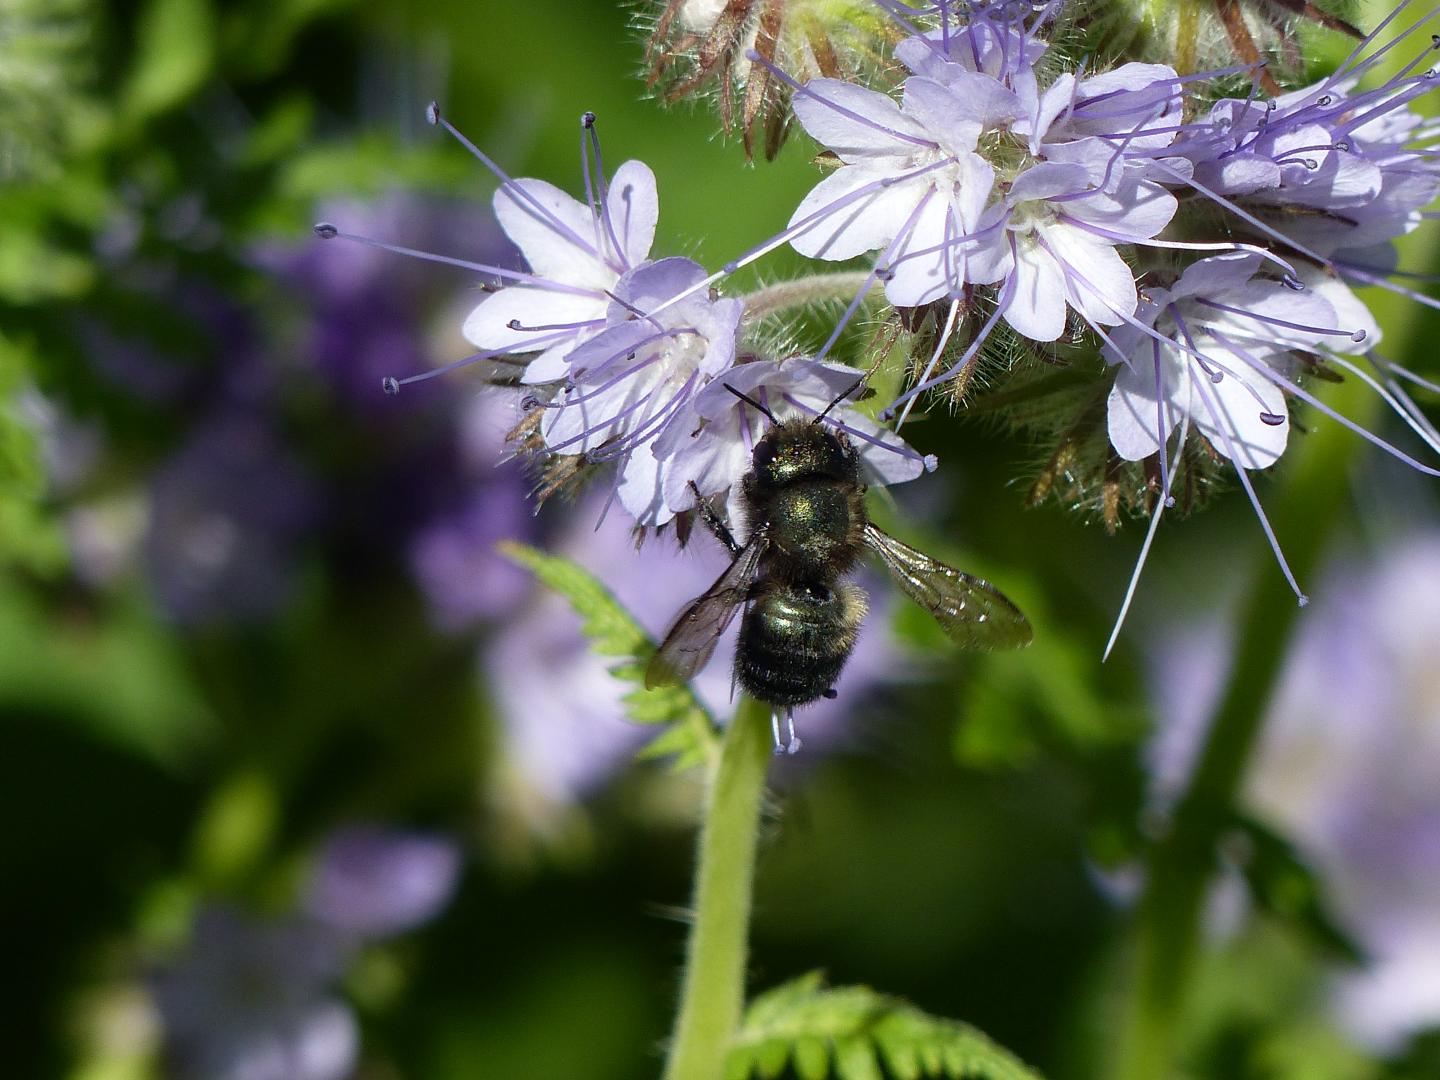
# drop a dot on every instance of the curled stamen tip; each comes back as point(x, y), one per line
point(1217, 377)
point(587, 119)
point(513, 324)
point(1169, 502)
point(886, 415)
point(1272, 419)
point(1302, 600)
point(1293, 283)
point(931, 462)
point(1359, 335)
point(528, 402)
point(390, 385)
point(325, 231)
point(884, 273)
point(432, 113)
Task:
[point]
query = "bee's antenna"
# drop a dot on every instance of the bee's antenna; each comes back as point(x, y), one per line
point(843, 395)
point(752, 402)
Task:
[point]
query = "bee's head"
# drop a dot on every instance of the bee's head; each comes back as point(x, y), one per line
point(802, 449)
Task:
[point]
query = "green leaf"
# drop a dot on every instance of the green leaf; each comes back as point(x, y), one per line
point(848, 1032)
point(173, 56)
point(1282, 884)
point(689, 732)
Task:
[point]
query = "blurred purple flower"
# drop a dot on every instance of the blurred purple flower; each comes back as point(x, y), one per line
point(452, 555)
point(366, 309)
point(228, 511)
point(372, 881)
point(563, 717)
point(1346, 769)
point(250, 1000)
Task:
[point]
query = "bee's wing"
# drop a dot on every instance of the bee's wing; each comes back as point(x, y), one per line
point(972, 612)
point(691, 640)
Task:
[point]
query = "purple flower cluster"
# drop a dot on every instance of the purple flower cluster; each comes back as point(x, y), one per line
point(1207, 249)
point(255, 999)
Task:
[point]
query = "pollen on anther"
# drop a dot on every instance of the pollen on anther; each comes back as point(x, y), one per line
point(587, 119)
point(432, 113)
point(325, 231)
point(1272, 419)
point(390, 385)
point(1359, 335)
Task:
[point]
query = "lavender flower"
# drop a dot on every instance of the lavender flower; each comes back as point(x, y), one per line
point(635, 379)
point(917, 177)
point(250, 1000)
point(227, 514)
point(577, 255)
point(373, 881)
point(1345, 768)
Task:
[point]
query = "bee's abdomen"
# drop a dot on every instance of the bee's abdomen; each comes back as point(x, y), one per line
point(795, 640)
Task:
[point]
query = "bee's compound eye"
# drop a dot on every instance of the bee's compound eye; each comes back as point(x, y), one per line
point(764, 454)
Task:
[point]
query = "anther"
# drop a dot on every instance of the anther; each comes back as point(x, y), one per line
point(1324, 99)
point(587, 119)
point(1358, 335)
point(1310, 163)
point(1343, 146)
point(884, 273)
point(390, 385)
point(325, 231)
point(1169, 502)
point(1292, 283)
point(1272, 419)
point(1435, 41)
point(528, 402)
point(432, 113)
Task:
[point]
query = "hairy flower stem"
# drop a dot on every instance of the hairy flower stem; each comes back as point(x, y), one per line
point(713, 991)
point(814, 289)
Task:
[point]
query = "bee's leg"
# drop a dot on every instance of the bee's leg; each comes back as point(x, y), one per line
point(775, 730)
point(793, 746)
point(713, 523)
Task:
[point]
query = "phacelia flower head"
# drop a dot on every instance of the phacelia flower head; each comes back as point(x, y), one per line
point(978, 176)
point(253, 1000)
point(665, 339)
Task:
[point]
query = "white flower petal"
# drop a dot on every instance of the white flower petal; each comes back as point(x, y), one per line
point(556, 234)
point(857, 124)
point(634, 208)
point(868, 222)
point(1099, 282)
point(1237, 402)
point(1136, 419)
point(488, 324)
point(1037, 306)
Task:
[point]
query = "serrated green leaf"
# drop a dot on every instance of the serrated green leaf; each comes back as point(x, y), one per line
point(849, 1031)
point(689, 731)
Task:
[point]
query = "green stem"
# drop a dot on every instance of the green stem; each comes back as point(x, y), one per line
point(713, 992)
point(814, 289)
